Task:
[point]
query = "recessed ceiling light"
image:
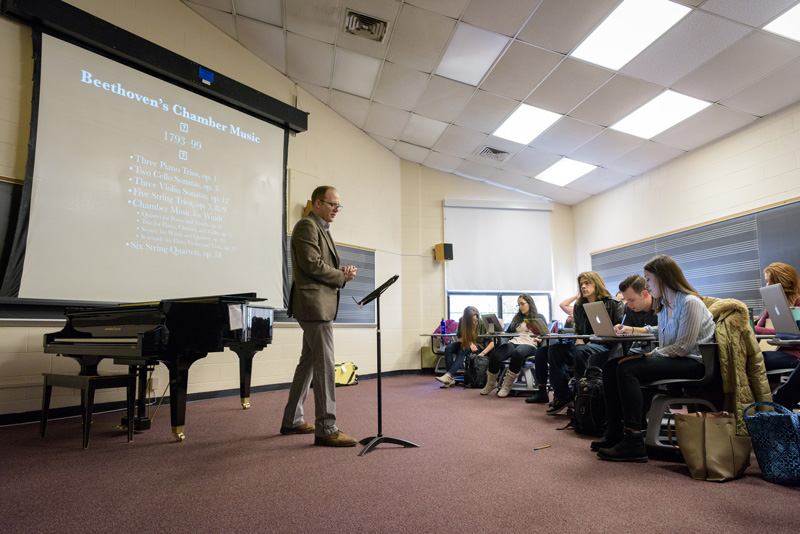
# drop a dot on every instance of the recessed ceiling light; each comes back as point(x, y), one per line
point(628, 30)
point(787, 25)
point(470, 54)
point(564, 171)
point(525, 124)
point(664, 111)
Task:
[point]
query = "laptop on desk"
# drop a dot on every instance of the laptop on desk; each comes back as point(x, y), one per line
point(600, 321)
point(493, 324)
point(779, 311)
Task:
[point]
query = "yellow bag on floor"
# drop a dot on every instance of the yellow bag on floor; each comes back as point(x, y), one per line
point(346, 374)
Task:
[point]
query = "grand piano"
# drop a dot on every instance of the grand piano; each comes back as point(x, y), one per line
point(175, 332)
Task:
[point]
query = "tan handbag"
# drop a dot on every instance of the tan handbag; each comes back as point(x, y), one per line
point(710, 446)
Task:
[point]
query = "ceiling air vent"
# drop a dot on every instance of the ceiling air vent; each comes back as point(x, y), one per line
point(494, 153)
point(364, 26)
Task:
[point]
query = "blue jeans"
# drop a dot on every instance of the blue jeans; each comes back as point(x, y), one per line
point(454, 357)
point(561, 356)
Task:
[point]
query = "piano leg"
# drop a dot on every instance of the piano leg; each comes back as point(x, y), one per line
point(245, 373)
point(178, 382)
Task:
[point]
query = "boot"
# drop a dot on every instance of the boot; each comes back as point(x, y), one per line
point(508, 381)
point(611, 436)
point(540, 397)
point(630, 449)
point(491, 383)
point(447, 380)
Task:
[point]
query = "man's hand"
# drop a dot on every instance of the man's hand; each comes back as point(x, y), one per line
point(349, 272)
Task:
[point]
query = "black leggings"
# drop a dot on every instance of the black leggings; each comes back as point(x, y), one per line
point(517, 353)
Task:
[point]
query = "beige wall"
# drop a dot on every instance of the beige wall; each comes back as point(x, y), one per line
point(749, 169)
point(392, 206)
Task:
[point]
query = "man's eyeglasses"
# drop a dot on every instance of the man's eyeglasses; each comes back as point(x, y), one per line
point(336, 207)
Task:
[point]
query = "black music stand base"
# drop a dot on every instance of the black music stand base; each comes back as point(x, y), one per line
point(374, 441)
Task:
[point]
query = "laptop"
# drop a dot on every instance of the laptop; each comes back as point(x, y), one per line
point(537, 326)
point(600, 321)
point(779, 312)
point(493, 324)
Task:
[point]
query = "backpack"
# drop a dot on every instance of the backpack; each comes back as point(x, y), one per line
point(475, 368)
point(590, 407)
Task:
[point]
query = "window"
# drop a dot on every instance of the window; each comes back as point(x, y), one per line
point(504, 305)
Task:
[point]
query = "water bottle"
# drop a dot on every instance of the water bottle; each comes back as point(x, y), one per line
point(443, 327)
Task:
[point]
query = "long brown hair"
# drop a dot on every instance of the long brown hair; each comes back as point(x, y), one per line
point(469, 334)
point(786, 276)
point(519, 317)
point(600, 291)
point(669, 275)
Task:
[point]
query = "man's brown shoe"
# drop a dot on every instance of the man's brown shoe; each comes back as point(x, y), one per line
point(302, 428)
point(337, 439)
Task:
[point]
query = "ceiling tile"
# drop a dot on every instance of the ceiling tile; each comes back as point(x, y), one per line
point(505, 17)
point(351, 107)
point(521, 68)
point(386, 10)
point(355, 73)
point(508, 179)
point(694, 40)
point(503, 144)
point(409, 152)
point(530, 162)
point(443, 99)
point(617, 98)
point(419, 38)
point(537, 187)
point(316, 19)
point(567, 196)
point(442, 162)
point(770, 94)
point(265, 41)
point(221, 5)
point(609, 145)
point(712, 123)
point(223, 20)
point(747, 11)
point(320, 93)
point(598, 181)
point(744, 63)
point(423, 131)
point(269, 11)
point(309, 60)
point(458, 142)
point(569, 85)
point(385, 121)
point(470, 54)
point(559, 25)
point(388, 143)
point(566, 135)
point(448, 8)
point(475, 170)
point(399, 86)
point(485, 112)
point(646, 156)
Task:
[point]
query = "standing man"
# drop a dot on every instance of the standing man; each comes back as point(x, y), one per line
point(314, 302)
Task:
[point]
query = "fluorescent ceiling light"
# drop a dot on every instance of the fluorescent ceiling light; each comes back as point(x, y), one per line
point(787, 25)
point(664, 111)
point(564, 171)
point(628, 30)
point(470, 54)
point(525, 124)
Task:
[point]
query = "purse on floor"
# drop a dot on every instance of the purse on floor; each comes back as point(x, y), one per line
point(710, 446)
point(776, 441)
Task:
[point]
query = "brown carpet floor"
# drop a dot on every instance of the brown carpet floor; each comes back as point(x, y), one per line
point(475, 471)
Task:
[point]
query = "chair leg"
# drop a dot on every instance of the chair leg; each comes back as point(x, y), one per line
point(131, 402)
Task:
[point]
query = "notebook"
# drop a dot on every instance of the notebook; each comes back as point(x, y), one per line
point(779, 312)
point(600, 321)
point(537, 326)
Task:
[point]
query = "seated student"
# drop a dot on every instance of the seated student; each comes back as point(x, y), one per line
point(684, 323)
point(471, 336)
point(517, 348)
point(639, 313)
point(788, 394)
point(540, 361)
point(577, 354)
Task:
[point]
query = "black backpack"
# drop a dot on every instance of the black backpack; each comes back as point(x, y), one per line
point(590, 407)
point(475, 367)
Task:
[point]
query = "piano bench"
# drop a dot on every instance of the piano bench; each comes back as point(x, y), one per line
point(88, 384)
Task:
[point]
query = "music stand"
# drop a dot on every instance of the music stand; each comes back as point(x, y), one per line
point(373, 441)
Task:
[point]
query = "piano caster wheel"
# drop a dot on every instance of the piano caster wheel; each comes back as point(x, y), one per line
point(177, 431)
point(246, 403)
